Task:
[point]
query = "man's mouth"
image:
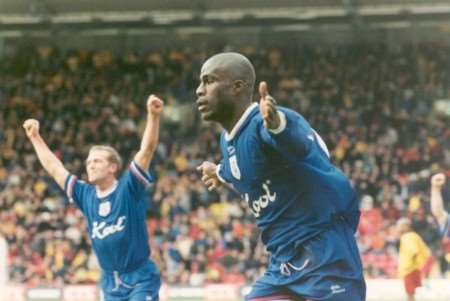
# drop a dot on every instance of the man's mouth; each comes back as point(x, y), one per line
point(203, 108)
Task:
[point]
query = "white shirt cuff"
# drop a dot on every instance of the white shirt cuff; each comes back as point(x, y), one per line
point(282, 125)
point(218, 174)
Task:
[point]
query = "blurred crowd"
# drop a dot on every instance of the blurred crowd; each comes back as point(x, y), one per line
point(372, 104)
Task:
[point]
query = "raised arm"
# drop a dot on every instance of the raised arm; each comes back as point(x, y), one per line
point(270, 115)
point(48, 159)
point(288, 133)
point(437, 203)
point(151, 133)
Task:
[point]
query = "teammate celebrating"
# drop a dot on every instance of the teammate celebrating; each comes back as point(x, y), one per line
point(437, 204)
point(115, 209)
point(305, 207)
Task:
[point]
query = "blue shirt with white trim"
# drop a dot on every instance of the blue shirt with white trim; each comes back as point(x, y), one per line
point(116, 222)
point(445, 230)
point(286, 178)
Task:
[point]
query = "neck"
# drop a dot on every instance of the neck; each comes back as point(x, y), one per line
point(231, 122)
point(105, 184)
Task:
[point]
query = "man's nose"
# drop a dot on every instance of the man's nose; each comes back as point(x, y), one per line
point(200, 90)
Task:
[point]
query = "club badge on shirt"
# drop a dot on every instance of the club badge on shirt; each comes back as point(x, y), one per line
point(234, 167)
point(104, 208)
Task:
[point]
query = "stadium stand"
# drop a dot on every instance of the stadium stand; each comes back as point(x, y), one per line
point(371, 104)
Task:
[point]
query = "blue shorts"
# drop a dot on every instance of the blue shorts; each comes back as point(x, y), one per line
point(327, 267)
point(141, 284)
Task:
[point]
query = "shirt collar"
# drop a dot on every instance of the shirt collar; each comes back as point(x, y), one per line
point(103, 194)
point(238, 125)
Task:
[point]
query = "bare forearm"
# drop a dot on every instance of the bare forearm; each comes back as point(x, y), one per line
point(149, 142)
point(437, 205)
point(49, 161)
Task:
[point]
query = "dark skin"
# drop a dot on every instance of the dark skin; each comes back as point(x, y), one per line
point(224, 93)
point(225, 89)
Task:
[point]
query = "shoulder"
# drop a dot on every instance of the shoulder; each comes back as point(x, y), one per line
point(134, 174)
point(257, 120)
point(291, 114)
point(73, 180)
point(412, 237)
point(406, 236)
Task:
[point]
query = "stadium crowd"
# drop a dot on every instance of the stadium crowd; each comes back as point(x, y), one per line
point(372, 104)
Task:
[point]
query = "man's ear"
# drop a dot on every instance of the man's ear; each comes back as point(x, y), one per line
point(115, 168)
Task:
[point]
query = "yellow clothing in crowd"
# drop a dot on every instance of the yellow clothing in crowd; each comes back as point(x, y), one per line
point(413, 254)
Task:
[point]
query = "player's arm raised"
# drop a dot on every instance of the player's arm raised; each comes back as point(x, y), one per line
point(267, 106)
point(285, 131)
point(48, 159)
point(437, 203)
point(150, 137)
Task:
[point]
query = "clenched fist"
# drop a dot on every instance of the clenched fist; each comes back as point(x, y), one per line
point(209, 176)
point(437, 181)
point(154, 105)
point(31, 127)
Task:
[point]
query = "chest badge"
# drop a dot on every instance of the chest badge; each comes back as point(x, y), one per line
point(234, 167)
point(104, 208)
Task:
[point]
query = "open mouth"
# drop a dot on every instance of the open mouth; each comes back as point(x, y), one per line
point(203, 108)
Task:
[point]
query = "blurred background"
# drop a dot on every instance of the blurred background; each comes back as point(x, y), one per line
point(371, 76)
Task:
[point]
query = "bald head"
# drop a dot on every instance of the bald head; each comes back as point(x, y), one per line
point(226, 88)
point(233, 65)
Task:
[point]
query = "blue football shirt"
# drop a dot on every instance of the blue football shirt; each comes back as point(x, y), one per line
point(445, 230)
point(116, 222)
point(286, 178)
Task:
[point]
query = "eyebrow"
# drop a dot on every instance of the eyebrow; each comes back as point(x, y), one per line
point(92, 159)
point(208, 75)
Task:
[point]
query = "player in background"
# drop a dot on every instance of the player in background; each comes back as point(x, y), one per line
point(413, 256)
point(437, 204)
point(115, 209)
point(304, 206)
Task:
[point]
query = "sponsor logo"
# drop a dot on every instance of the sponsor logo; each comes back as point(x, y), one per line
point(262, 201)
point(337, 289)
point(103, 230)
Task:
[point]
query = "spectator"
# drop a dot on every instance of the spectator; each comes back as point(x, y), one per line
point(413, 256)
point(379, 111)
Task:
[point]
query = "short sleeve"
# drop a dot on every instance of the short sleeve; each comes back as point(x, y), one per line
point(76, 191)
point(138, 180)
point(221, 174)
point(293, 138)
